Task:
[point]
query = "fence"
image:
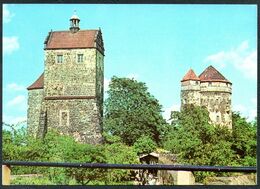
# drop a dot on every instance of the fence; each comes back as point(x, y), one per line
point(6, 168)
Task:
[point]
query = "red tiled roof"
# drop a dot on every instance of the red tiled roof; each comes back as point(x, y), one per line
point(190, 75)
point(67, 39)
point(211, 74)
point(38, 84)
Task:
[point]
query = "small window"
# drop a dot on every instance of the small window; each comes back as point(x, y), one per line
point(210, 84)
point(218, 119)
point(64, 117)
point(59, 58)
point(80, 58)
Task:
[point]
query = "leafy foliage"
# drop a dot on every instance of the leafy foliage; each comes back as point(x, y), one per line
point(199, 143)
point(244, 140)
point(131, 111)
point(18, 146)
point(144, 145)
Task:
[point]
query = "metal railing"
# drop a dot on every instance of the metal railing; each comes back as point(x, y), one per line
point(7, 173)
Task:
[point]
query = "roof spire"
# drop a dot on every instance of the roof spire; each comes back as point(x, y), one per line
point(74, 23)
point(190, 75)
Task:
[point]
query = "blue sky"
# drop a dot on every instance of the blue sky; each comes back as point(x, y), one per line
point(155, 44)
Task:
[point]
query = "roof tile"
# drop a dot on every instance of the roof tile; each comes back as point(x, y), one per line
point(211, 74)
point(38, 84)
point(67, 39)
point(190, 75)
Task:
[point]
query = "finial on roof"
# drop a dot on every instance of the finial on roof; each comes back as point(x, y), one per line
point(74, 23)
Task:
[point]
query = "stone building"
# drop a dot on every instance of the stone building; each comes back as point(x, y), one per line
point(211, 90)
point(68, 96)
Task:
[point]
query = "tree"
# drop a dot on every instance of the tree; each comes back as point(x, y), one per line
point(119, 153)
point(244, 140)
point(144, 145)
point(196, 141)
point(131, 111)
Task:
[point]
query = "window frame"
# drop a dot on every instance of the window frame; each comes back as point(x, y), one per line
point(59, 59)
point(80, 58)
point(60, 117)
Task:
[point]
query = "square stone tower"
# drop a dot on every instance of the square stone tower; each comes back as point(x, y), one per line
point(72, 88)
point(211, 90)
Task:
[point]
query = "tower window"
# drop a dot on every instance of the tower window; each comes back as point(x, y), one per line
point(217, 119)
point(80, 58)
point(64, 117)
point(59, 58)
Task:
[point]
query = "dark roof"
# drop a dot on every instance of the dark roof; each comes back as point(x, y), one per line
point(211, 74)
point(38, 84)
point(190, 75)
point(69, 40)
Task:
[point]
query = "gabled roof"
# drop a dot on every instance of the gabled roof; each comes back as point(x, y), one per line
point(79, 39)
point(38, 84)
point(211, 74)
point(190, 75)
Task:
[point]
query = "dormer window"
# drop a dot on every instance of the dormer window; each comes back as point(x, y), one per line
point(59, 58)
point(80, 58)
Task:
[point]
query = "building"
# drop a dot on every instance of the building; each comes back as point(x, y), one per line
point(68, 96)
point(211, 90)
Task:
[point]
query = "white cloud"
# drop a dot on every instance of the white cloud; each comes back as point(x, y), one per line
point(10, 44)
point(167, 111)
point(132, 76)
point(13, 119)
point(17, 101)
point(248, 113)
point(106, 84)
point(239, 108)
point(241, 58)
point(7, 15)
point(252, 114)
point(15, 87)
point(254, 100)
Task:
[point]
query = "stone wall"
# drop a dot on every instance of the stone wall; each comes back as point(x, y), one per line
point(215, 96)
point(247, 179)
point(70, 77)
point(190, 93)
point(219, 107)
point(79, 118)
point(100, 81)
point(74, 93)
point(35, 99)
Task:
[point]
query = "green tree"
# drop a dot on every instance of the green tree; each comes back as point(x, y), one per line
point(119, 153)
point(131, 111)
point(144, 145)
point(244, 140)
point(196, 141)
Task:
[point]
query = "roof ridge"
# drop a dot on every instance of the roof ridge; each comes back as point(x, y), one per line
point(77, 31)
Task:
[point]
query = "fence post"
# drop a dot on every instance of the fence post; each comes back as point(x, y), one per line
point(185, 178)
point(6, 174)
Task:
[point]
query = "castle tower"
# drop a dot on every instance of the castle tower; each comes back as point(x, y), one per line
point(211, 90)
point(190, 89)
point(73, 84)
point(216, 93)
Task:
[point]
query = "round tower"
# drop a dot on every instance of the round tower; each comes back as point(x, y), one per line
point(216, 93)
point(190, 89)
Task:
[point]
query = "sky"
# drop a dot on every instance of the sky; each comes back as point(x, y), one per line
point(155, 44)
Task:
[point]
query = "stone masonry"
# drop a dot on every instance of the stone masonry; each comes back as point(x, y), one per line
point(68, 97)
point(211, 90)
